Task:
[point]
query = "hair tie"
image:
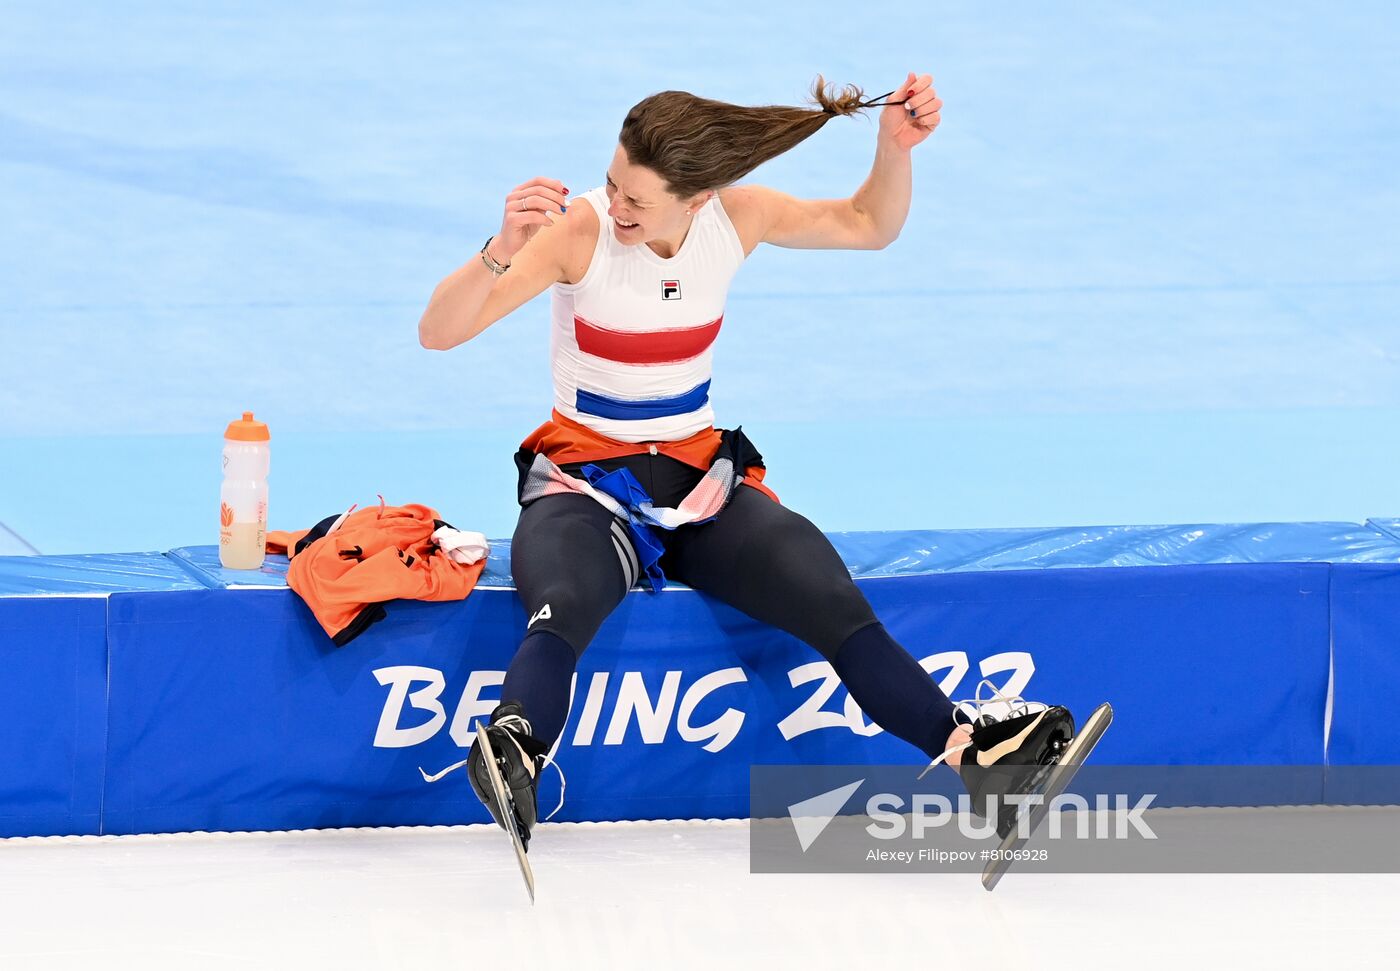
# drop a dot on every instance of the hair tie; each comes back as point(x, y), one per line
point(883, 100)
point(879, 102)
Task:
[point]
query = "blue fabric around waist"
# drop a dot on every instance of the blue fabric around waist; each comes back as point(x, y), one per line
point(623, 486)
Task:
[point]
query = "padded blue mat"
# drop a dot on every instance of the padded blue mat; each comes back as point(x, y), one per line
point(867, 554)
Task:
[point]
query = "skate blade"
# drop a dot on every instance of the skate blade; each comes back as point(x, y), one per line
point(1075, 754)
point(503, 806)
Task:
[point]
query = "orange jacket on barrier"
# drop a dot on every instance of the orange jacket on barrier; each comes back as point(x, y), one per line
point(378, 554)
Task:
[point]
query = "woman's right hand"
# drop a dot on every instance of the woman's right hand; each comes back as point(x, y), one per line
point(531, 205)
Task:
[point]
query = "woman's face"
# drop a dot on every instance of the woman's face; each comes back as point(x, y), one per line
point(640, 206)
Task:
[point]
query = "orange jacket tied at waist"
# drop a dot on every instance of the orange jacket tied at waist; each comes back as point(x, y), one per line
point(345, 573)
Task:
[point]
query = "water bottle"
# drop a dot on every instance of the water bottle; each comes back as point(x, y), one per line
point(243, 498)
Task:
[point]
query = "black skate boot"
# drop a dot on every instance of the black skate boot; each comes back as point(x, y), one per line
point(1014, 746)
point(519, 758)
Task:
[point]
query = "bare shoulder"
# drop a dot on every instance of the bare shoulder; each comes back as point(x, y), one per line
point(577, 235)
point(750, 210)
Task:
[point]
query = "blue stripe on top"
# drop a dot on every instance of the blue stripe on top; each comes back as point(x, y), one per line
point(636, 409)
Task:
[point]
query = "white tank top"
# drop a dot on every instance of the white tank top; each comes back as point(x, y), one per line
point(631, 342)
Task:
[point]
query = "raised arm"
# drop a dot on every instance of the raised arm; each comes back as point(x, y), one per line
point(870, 219)
point(534, 241)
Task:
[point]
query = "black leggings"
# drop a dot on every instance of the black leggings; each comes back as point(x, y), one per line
point(573, 561)
point(571, 554)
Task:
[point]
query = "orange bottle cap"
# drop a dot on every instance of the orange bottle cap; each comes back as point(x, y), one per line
point(247, 430)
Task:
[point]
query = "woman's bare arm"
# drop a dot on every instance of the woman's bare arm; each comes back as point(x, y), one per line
point(871, 218)
point(535, 240)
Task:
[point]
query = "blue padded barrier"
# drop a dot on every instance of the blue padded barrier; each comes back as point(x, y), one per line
point(1390, 527)
point(231, 710)
point(98, 574)
point(228, 708)
point(53, 712)
point(918, 551)
point(907, 552)
point(202, 563)
point(238, 712)
point(1366, 665)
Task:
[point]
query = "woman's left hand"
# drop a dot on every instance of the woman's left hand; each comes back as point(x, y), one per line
point(910, 123)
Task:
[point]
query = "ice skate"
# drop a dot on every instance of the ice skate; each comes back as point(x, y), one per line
point(518, 758)
point(504, 767)
point(1011, 746)
point(1019, 749)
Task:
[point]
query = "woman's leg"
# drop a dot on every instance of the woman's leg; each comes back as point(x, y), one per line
point(572, 564)
point(779, 568)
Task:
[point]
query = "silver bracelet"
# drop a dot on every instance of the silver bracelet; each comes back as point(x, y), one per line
point(496, 268)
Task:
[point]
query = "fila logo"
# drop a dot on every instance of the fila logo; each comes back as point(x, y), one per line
point(670, 289)
point(542, 614)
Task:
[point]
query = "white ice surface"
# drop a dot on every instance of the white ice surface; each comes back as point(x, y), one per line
point(637, 895)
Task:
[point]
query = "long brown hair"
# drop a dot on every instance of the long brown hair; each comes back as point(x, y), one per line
point(696, 144)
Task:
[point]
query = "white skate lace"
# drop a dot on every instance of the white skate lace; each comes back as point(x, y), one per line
point(516, 724)
point(976, 709)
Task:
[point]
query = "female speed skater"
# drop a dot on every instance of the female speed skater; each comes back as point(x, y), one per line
point(629, 481)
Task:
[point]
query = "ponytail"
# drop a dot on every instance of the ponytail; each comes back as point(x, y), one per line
point(696, 144)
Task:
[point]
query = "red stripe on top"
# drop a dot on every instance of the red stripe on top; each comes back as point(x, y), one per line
point(667, 346)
